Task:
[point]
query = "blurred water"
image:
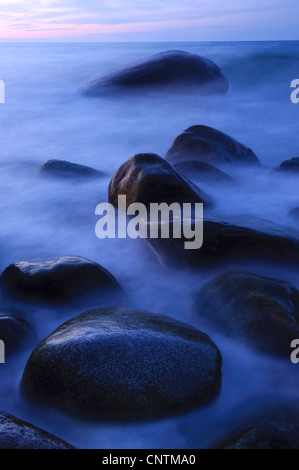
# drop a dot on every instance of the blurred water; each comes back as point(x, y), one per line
point(45, 118)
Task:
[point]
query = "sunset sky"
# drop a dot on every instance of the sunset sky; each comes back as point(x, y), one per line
point(148, 20)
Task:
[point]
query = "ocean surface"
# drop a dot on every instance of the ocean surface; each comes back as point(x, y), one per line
point(45, 118)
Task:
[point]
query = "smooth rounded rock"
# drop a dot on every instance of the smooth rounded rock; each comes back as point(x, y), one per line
point(16, 333)
point(148, 178)
point(68, 170)
point(58, 280)
point(258, 311)
point(209, 145)
point(122, 364)
point(167, 71)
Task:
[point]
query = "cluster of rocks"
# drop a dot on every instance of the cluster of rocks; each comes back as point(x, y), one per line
point(116, 363)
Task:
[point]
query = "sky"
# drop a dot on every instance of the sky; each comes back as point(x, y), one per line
point(148, 20)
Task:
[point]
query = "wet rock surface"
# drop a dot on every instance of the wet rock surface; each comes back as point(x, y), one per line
point(258, 311)
point(203, 143)
point(17, 434)
point(122, 364)
point(63, 169)
point(148, 178)
point(58, 280)
point(271, 429)
point(16, 333)
point(167, 71)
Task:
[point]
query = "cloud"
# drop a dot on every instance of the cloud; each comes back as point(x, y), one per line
point(90, 17)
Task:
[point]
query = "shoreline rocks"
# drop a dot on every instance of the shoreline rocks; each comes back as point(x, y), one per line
point(230, 240)
point(58, 281)
point(258, 311)
point(271, 429)
point(203, 171)
point(287, 166)
point(18, 434)
point(123, 364)
point(148, 178)
point(203, 143)
point(15, 332)
point(169, 71)
point(67, 170)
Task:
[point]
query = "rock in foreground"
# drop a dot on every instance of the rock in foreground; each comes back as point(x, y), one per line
point(58, 280)
point(258, 311)
point(148, 178)
point(209, 145)
point(117, 363)
point(64, 169)
point(17, 434)
point(167, 71)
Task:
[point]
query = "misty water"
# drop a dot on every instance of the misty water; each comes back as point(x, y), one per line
point(45, 118)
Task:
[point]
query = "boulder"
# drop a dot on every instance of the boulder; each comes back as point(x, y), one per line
point(209, 145)
point(203, 171)
point(226, 240)
point(148, 178)
point(289, 166)
point(167, 71)
point(258, 311)
point(58, 280)
point(270, 429)
point(17, 434)
point(122, 364)
point(64, 169)
point(15, 332)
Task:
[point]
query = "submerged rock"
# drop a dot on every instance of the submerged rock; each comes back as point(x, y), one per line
point(209, 145)
point(17, 434)
point(58, 280)
point(289, 166)
point(166, 71)
point(64, 169)
point(274, 429)
point(203, 171)
point(148, 178)
point(230, 240)
point(117, 363)
point(259, 311)
point(15, 332)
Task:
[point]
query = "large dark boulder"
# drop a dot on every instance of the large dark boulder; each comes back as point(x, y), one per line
point(209, 145)
point(166, 71)
point(16, 333)
point(289, 166)
point(273, 428)
point(58, 280)
point(117, 363)
point(17, 434)
point(259, 311)
point(64, 169)
point(230, 240)
point(148, 178)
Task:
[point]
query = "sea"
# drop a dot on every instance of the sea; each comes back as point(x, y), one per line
point(44, 117)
